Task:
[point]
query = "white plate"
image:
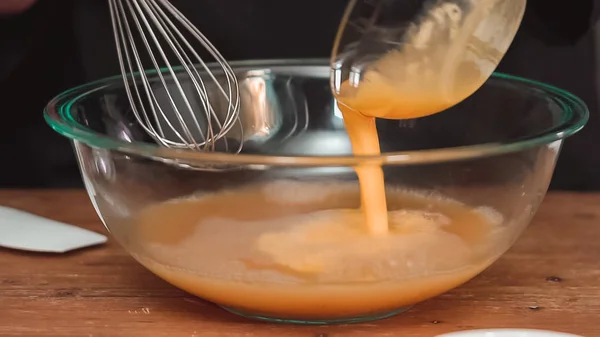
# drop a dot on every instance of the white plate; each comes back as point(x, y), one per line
point(507, 333)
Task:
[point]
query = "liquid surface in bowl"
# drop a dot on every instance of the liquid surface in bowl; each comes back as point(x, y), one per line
point(391, 96)
point(300, 250)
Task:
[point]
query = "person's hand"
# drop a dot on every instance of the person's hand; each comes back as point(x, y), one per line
point(15, 6)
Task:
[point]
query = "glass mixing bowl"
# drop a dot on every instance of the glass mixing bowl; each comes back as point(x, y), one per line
point(493, 154)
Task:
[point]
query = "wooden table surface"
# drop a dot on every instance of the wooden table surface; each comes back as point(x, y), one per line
point(549, 280)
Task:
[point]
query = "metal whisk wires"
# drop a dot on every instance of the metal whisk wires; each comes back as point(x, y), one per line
point(196, 118)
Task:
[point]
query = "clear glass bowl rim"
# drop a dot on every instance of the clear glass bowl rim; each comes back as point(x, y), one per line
point(57, 114)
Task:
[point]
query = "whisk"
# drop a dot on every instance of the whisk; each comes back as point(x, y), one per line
point(196, 118)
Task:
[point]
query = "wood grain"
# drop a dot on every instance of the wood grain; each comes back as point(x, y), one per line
point(549, 280)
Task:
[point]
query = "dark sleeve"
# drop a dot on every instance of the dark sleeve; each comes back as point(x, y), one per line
point(15, 37)
point(561, 22)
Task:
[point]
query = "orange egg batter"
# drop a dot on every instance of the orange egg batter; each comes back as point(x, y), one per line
point(299, 250)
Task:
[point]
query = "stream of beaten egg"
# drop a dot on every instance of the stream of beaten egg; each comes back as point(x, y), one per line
point(387, 96)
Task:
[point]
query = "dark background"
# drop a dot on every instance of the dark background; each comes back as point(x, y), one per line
point(58, 44)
